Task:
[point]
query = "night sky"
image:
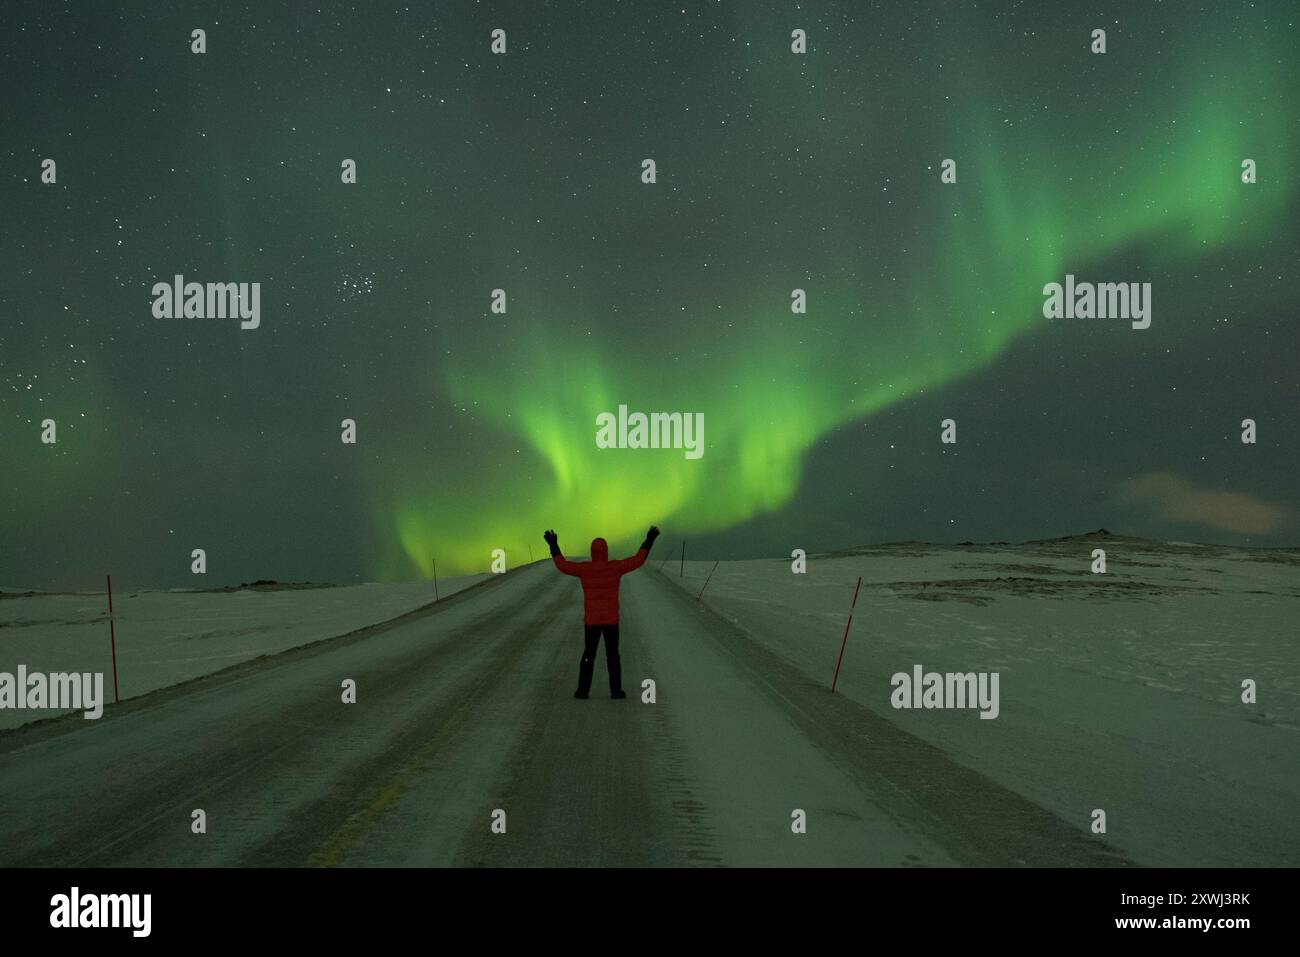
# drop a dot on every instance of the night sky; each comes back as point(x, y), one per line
point(522, 171)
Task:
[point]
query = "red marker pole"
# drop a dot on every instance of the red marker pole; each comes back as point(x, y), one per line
point(706, 581)
point(435, 579)
point(112, 637)
point(846, 635)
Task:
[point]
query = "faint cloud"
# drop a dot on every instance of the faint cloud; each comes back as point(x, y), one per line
point(1175, 499)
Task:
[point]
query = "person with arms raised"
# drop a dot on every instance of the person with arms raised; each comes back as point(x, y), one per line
point(600, 580)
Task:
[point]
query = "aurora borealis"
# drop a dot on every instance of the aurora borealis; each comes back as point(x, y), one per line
point(775, 172)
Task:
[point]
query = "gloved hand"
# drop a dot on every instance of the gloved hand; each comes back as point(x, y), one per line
point(650, 537)
point(553, 540)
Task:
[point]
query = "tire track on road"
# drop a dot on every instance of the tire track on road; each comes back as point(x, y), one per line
point(232, 740)
point(580, 787)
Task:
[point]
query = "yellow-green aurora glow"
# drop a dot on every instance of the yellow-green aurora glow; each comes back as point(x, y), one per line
point(1029, 206)
point(776, 171)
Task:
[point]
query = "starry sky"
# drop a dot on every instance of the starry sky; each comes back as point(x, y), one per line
point(775, 171)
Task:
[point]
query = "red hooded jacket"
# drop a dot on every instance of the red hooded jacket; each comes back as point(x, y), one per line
point(599, 579)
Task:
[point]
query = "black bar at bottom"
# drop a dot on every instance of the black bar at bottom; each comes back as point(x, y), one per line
point(674, 909)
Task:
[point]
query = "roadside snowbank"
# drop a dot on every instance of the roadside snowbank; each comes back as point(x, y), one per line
point(166, 637)
point(1119, 691)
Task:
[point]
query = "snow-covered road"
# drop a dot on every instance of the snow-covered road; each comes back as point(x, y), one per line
point(465, 709)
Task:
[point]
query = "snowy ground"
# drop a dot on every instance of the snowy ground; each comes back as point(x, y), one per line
point(466, 707)
point(166, 637)
point(1119, 691)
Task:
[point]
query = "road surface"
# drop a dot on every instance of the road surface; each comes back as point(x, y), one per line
point(465, 708)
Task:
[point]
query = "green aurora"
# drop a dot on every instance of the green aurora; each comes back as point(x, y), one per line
point(1026, 209)
point(776, 171)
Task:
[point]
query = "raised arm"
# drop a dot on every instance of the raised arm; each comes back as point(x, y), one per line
point(637, 560)
point(562, 563)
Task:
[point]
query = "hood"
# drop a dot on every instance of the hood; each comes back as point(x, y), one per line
point(599, 550)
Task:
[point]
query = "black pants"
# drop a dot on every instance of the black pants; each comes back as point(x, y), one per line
point(588, 665)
